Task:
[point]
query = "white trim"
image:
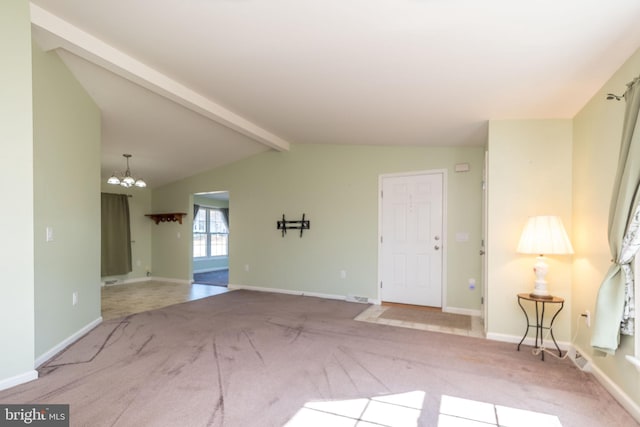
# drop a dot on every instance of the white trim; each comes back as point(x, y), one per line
point(126, 281)
point(289, 292)
point(18, 379)
point(633, 360)
point(618, 394)
point(66, 342)
point(148, 279)
point(636, 285)
point(529, 341)
point(445, 245)
point(464, 311)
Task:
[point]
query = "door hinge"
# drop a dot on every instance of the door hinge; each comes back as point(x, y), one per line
point(381, 194)
point(381, 284)
point(481, 300)
point(381, 239)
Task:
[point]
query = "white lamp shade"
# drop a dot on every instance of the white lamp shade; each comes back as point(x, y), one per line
point(544, 235)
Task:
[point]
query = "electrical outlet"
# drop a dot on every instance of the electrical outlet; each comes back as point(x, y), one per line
point(343, 274)
point(587, 318)
point(472, 284)
point(246, 267)
point(74, 298)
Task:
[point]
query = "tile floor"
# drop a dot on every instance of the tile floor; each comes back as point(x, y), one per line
point(123, 300)
point(372, 315)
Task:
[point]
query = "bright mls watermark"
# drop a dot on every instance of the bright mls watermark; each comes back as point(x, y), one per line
point(34, 415)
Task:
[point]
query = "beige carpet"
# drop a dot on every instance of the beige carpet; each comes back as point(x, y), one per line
point(245, 359)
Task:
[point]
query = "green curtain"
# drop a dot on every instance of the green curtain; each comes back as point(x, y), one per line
point(623, 235)
point(116, 235)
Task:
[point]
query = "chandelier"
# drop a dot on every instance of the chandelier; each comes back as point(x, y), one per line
point(127, 180)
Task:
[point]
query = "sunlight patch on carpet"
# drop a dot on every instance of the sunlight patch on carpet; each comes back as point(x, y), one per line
point(393, 410)
point(404, 409)
point(457, 412)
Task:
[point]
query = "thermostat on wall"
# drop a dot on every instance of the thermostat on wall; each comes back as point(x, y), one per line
point(462, 167)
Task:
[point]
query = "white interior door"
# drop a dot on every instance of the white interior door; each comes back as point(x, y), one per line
point(411, 240)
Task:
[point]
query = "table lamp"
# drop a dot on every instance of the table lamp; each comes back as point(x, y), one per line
point(543, 235)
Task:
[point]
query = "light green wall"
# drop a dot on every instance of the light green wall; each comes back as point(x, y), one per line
point(337, 188)
point(67, 199)
point(16, 187)
point(597, 133)
point(529, 174)
point(139, 206)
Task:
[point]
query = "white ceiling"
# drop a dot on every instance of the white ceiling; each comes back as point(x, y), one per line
point(187, 85)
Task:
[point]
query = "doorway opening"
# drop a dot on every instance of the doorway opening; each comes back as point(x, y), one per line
point(210, 236)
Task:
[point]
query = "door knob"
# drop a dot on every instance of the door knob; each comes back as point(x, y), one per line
point(436, 247)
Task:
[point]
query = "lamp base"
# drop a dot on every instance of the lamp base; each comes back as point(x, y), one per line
point(540, 286)
point(534, 295)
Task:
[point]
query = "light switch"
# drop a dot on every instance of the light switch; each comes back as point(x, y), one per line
point(462, 237)
point(49, 234)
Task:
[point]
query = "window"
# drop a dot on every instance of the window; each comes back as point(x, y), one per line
point(210, 233)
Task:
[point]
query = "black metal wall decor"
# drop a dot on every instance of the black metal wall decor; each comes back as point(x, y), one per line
point(303, 224)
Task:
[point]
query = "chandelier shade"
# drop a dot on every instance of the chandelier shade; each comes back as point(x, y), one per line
point(126, 180)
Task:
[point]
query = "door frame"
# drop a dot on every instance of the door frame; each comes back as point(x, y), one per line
point(445, 246)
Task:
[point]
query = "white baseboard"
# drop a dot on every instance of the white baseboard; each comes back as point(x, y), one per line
point(529, 341)
point(618, 394)
point(287, 291)
point(126, 281)
point(66, 342)
point(18, 379)
point(623, 398)
point(465, 311)
point(148, 279)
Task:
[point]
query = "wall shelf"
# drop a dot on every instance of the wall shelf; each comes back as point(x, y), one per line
point(167, 217)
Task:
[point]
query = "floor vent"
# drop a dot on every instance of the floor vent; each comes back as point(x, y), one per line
point(582, 363)
point(355, 298)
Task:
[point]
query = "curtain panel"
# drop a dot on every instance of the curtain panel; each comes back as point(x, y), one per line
point(614, 304)
point(116, 235)
point(225, 215)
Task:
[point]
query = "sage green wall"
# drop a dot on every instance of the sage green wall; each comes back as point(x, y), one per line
point(337, 188)
point(139, 206)
point(597, 133)
point(16, 187)
point(67, 199)
point(529, 174)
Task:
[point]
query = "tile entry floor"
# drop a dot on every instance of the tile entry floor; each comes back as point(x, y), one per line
point(374, 313)
point(130, 298)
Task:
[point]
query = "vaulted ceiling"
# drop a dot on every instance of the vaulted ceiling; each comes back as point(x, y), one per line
point(188, 85)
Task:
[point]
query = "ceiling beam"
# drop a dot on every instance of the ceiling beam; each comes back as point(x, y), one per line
point(52, 32)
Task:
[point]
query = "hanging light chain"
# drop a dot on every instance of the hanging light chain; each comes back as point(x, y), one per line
point(127, 180)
